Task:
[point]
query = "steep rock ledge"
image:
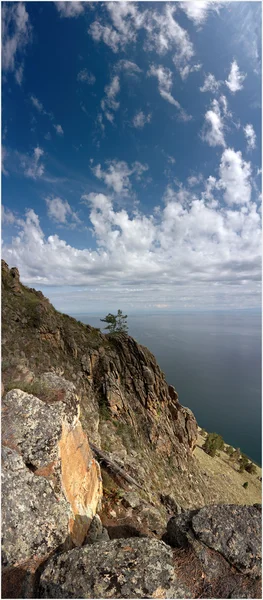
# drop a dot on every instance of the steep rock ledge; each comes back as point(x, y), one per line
point(51, 485)
point(114, 374)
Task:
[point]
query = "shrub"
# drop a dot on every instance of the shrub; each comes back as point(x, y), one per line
point(236, 454)
point(251, 468)
point(213, 443)
point(230, 451)
point(104, 410)
point(245, 485)
point(243, 463)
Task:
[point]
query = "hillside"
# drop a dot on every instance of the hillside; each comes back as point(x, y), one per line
point(127, 407)
point(106, 394)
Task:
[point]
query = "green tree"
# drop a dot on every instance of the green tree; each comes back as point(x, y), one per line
point(116, 323)
point(213, 443)
point(245, 485)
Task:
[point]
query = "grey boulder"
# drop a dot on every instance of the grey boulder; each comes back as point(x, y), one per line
point(125, 568)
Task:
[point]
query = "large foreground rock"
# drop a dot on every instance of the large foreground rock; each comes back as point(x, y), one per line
point(233, 531)
point(226, 541)
point(51, 483)
point(126, 568)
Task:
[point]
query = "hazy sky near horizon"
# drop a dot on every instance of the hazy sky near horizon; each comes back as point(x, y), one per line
point(131, 153)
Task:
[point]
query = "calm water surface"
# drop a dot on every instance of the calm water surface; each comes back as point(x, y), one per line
point(214, 362)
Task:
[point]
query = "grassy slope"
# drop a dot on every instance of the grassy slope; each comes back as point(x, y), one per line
point(220, 467)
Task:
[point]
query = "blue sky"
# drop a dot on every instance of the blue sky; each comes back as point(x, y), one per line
point(131, 153)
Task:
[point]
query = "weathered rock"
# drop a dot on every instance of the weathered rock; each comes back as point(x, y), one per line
point(171, 503)
point(178, 533)
point(153, 518)
point(23, 374)
point(131, 499)
point(34, 523)
point(47, 459)
point(173, 393)
point(222, 537)
point(15, 285)
point(226, 542)
point(234, 531)
point(130, 568)
point(96, 533)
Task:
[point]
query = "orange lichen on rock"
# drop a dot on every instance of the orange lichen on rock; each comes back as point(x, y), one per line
point(81, 479)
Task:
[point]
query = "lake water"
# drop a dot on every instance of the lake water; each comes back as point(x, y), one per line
point(213, 359)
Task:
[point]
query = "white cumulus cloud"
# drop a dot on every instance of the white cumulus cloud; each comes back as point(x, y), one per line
point(140, 119)
point(59, 210)
point(192, 248)
point(250, 136)
point(8, 217)
point(213, 132)
point(235, 78)
point(235, 174)
point(4, 155)
point(165, 84)
point(109, 104)
point(85, 76)
point(58, 129)
point(199, 10)
point(32, 165)
point(117, 175)
point(16, 34)
point(37, 104)
point(210, 84)
point(129, 66)
point(70, 9)
point(163, 33)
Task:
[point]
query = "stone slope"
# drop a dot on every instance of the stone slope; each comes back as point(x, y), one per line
point(225, 566)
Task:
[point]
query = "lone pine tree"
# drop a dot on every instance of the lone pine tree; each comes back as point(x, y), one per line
point(116, 323)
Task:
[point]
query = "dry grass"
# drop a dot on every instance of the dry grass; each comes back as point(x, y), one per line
point(221, 470)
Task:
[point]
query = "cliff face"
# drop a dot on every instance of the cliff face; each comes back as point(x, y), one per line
point(126, 406)
point(117, 379)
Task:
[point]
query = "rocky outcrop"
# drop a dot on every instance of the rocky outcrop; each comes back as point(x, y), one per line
point(133, 387)
point(226, 540)
point(216, 555)
point(234, 531)
point(51, 482)
point(124, 398)
point(130, 568)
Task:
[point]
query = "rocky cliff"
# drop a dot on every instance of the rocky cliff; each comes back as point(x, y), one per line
point(72, 395)
point(126, 404)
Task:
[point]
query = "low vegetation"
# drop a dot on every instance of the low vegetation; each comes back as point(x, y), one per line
point(36, 388)
point(213, 443)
